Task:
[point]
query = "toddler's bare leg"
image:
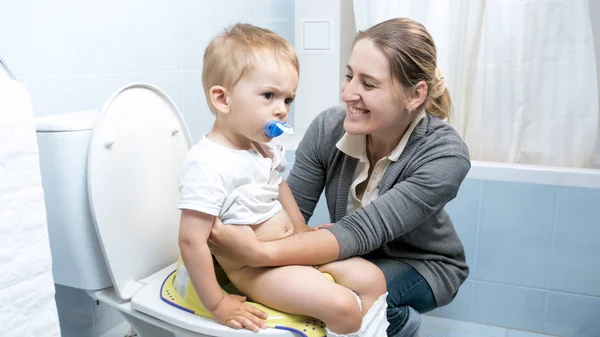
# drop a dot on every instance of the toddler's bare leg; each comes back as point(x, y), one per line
point(301, 290)
point(360, 275)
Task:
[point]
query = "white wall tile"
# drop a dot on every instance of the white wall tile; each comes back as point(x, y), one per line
point(157, 36)
point(196, 113)
point(66, 37)
point(65, 94)
point(200, 21)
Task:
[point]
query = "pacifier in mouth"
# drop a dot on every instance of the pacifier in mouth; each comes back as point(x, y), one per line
point(276, 128)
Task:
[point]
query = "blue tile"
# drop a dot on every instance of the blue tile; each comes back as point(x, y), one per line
point(508, 306)
point(573, 315)
point(321, 214)
point(464, 211)
point(515, 233)
point(290, 157)
point(460, 308)
point(575, 266)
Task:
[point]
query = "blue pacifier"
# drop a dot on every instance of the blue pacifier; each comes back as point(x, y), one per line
point(275, 128)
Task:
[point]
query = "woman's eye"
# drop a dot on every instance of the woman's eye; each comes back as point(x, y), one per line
point(349, 77)
point(268, 95)
point(368, 85)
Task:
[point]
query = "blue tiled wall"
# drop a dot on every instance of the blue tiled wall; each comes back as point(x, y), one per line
point(533, 253)
point(533, 250)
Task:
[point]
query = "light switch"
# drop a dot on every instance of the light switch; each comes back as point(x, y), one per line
point(316, 35)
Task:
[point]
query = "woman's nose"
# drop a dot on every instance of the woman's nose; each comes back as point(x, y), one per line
point(348, 92)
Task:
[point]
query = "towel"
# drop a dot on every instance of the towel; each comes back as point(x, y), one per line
point(27, 306)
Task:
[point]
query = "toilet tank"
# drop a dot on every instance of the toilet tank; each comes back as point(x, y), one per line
point(77, 259)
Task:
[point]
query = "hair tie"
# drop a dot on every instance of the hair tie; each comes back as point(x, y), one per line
point(439, 85)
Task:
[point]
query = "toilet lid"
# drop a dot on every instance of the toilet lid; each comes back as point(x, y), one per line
point(137, 147)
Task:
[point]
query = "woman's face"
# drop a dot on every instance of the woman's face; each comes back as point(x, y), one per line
point(372, 103)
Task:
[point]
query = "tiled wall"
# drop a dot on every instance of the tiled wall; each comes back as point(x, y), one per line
point(534, 252)
point(72, 55)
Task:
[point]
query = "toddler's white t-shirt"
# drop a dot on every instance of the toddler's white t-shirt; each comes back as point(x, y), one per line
point(241, 187)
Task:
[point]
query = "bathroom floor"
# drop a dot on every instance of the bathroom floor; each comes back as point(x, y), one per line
point(430, 327)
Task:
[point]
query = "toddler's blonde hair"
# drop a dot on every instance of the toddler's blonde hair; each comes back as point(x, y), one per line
point(234, 52)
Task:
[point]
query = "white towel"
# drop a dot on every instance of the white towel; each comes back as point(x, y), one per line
point(27, 306)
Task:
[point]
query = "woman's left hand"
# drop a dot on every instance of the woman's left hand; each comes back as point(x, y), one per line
point(237, 243)
point(325, 225)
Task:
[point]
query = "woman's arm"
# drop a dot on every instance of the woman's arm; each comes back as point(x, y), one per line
point(402, 208)
point(308, 248)
point(408, 204)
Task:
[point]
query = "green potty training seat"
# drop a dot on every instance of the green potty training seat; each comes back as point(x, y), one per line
point(186, 299)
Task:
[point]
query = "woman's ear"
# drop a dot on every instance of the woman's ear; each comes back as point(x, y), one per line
point(218, 99)
point(417, 96)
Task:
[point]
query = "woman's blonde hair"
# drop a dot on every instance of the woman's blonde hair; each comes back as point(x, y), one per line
point(234, 53)
point(413, 58)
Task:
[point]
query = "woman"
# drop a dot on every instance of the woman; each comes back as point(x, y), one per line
point(388, 164)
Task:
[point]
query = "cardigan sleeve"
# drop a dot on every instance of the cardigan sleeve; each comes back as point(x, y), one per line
point(402, 208)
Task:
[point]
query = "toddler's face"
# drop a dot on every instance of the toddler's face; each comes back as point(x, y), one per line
point(264, 94)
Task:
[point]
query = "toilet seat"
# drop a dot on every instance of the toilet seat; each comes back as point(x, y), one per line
point(136, 150)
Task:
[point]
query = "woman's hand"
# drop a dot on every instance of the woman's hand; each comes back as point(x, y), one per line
point(302, 228)
point(233, 312)
point(237, 243)
point(325, 225)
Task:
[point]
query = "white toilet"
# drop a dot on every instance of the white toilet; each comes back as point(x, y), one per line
point(110, 184)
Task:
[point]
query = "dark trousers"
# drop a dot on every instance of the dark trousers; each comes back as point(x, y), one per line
point(406, 287)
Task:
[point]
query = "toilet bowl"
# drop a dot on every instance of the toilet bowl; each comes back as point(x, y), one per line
point(111, 191)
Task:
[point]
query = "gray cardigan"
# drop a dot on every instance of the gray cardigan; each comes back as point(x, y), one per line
point(407, 221)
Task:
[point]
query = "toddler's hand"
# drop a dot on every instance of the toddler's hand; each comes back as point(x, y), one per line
point(233, 312)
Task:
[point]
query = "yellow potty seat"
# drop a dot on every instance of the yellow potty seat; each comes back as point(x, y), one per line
point(303, 325)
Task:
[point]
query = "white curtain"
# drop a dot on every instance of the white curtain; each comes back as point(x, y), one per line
point(522, 74)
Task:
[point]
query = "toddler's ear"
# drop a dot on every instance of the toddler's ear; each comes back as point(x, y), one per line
point(218, 99)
